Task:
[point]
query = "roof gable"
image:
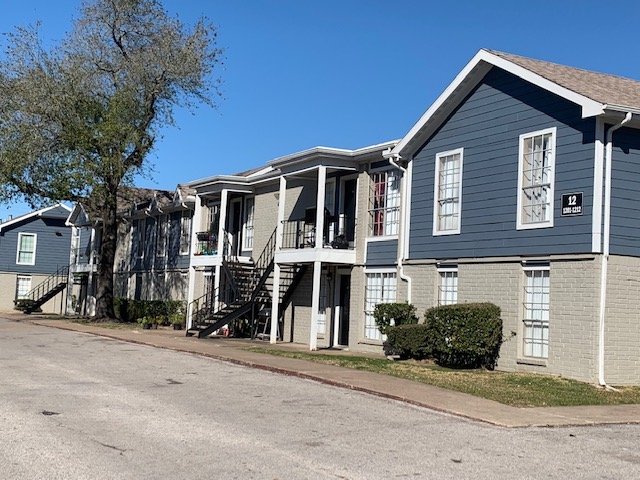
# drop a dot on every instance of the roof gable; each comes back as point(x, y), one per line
point(58, 210)
point(590, 90)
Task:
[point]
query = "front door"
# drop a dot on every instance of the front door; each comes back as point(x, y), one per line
point(343, 315)
point(234, 225)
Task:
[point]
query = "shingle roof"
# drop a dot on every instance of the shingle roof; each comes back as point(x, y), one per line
point(600, 87)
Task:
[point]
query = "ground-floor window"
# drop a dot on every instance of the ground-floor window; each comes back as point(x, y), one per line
point(536, 312)
point(23, 286)
point(381, 288)
point(448, 289)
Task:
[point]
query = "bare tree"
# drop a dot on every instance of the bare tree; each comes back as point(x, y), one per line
point(79, 119)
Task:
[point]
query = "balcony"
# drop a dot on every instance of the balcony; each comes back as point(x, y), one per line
point(206, 244)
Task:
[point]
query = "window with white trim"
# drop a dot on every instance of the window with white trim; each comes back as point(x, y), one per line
point(162, 224)
point(536, 312)
point(140, 236)
point(23, 286)
point(384, 203)
point(447, 193)
point(535, 179)
point(26, 254)
point(322, 304)
point(247, 224)
point(448, 289)
point(381, 288)
point(185, 232)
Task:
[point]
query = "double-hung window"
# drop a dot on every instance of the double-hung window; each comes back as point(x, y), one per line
point(536, 312)
point(185, 232)
point(384, 203)
point(535, 179)
point(23, 286)
point(448, 290)
point(26, 254)
point(381, 288)
point(247, 226)
point(448, 193)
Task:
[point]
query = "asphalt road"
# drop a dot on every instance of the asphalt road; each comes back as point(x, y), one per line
point(77, 406)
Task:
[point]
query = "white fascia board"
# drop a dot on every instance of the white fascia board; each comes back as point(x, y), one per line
point(475, 70)
point(36, 213)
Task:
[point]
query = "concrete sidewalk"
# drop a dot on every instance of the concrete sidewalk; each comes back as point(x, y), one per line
point(461, 404)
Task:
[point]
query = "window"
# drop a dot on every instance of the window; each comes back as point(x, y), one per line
point(185, 232)
point(26, 254)
point(448, 290)
point(384, 203)
point(322, 305)
point(535, 179)
point(161, 235)
point(213, 217)
point(140, 234)
point(447, 193)
point(23, 286)
point(536, 312)
point(249, 210)
point(381, 288)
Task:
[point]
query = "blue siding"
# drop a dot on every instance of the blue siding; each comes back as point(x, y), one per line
point(53, 245)
point(488, 125)
point(384, 252)
point(625, 199)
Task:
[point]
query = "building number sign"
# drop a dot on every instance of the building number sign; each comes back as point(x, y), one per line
point(571, 204)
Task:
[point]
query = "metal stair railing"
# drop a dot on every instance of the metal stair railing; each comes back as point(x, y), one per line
point(53, 281)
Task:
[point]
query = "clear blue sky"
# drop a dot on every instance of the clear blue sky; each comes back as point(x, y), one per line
point(348, 73)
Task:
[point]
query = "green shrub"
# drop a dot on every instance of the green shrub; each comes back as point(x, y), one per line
point(408, 341)
point(389, 314)
point(131, 310)
point(466, 335)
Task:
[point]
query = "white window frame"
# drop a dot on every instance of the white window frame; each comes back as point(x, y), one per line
point(391, 209)
point(186, 219)
point(21, 235)
point(248, 223)
point(535, 303)
point(452, 193)
point(448, 285)
point(522, 224)
point(19, 295)
point(162, 234)
point(388, 294)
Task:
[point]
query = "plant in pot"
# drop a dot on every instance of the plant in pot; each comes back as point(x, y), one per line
point(177, 320)
point(146, 322)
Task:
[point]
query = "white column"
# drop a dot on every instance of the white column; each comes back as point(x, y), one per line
point(275, 302)
point(322, 180)
point(190, 295)
point(223, 221)
point(90, 304)
point(315, 305)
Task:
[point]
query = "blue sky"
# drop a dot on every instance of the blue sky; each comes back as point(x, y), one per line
point(347, 73)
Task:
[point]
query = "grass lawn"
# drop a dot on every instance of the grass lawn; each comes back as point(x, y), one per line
point(112, 325)
point(516, 389)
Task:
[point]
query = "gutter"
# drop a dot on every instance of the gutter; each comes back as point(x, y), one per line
point(394, 158)
point(605, 249)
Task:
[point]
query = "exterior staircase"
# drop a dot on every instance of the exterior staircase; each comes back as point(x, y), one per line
point(45, 291)
point(246, 292)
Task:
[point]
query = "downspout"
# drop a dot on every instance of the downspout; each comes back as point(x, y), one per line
point(605, 248)
point(393, 160)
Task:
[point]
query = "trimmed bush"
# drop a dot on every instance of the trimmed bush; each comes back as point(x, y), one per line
point(389, 314)
point(131, 310)
point(408, 341)
point(466, 335)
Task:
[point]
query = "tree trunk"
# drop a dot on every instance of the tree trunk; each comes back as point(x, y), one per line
point(104, 293)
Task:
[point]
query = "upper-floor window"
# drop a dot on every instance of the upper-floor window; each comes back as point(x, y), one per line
point(185, 232)
point(447, 192)
point(535, 179)
point(384, 203)
point(140, 235)
point(161, 235)
point(448, 290)
point(26, 254)
point(247, 225)
point(213, 216)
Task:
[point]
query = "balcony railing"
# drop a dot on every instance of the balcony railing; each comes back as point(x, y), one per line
point(82, 255)
point(207, 243)
point(302, 234)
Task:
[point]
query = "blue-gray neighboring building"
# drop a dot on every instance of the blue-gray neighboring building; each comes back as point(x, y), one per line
point(33, 247)
point(521, 185)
